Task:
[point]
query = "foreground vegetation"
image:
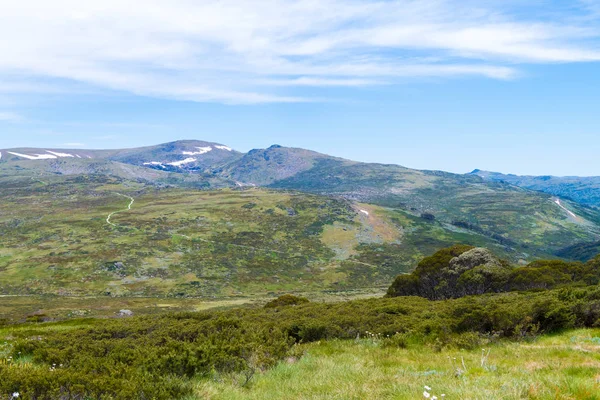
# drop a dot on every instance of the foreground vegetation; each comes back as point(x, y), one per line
point(165, 356)
point(463, 270)
point(563, 366)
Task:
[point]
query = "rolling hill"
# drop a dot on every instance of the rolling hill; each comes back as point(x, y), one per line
point(584, 190)
point(262, 222)
point(98, 235)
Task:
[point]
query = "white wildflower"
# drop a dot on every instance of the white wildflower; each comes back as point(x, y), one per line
point(426, 394)
point(427, 388)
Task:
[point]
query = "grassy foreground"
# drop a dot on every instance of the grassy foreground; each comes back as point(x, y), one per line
point(563, 366)
point(369, 349)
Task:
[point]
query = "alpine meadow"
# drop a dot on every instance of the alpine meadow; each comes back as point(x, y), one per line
point(232, 200)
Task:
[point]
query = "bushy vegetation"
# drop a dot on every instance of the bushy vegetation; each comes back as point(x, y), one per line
point(156, 356)
point(146, 358)
point(463, 270)
point(286, 300)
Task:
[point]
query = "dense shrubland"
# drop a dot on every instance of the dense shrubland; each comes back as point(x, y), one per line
point(463, 270)
point(155, 356)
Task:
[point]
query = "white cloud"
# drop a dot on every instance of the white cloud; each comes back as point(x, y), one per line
point(256, 51)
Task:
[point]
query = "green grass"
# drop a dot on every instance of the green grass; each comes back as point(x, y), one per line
point(219, 244)
point(564, 366)
point(15, 309)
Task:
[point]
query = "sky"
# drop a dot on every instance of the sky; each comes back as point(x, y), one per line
point(503, 85)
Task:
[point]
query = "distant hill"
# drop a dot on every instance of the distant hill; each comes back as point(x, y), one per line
point(523, 222)
point(584, 190)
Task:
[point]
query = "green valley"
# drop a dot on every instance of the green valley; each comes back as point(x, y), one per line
point(57, 238)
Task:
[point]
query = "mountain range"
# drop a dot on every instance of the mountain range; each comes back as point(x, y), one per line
point(584, 190)
point(327, 221)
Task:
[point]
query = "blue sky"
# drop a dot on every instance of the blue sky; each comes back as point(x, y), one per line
point(510, 86)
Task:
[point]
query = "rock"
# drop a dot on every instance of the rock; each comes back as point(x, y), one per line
point(474, 258)
point(125, 313)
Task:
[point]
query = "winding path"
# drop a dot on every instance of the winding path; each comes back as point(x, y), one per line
point(119, 211)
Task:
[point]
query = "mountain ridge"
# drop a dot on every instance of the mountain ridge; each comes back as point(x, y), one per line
point(582, 189)
point(523, 220)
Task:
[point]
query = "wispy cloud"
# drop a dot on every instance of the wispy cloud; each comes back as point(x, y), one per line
point(257, 51)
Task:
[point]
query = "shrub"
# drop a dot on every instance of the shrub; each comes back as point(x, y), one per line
point(462, 271)
point(286, 300)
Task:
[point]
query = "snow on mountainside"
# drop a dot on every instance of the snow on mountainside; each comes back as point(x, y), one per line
point(518, 220)
point(185, 154)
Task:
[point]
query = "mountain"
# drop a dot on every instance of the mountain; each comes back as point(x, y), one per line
point(442, 206)
point(262, 167)
point(184, 155)
point(182, 163)
point(584, 190)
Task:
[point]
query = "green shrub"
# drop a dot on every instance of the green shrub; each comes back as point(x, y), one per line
point(449, 273)
point(155, 356)
point(286, 300)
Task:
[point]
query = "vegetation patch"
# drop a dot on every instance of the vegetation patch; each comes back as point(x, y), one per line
point(463, 270)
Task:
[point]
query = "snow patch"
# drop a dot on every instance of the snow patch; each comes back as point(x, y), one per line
point(36, 157)
point(224, 148)
point(179, 163)
point(364, 212)
point(77, 155)
point(155, 163)
point(59, 154)
point(174, 164)
point(201, 150)
point(572, 214)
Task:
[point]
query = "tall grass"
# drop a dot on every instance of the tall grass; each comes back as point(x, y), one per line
point(564, 366)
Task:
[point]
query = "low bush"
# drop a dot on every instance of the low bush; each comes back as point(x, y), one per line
point(286, 300)
point(154, 357)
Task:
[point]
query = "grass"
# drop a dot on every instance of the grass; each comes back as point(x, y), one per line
point(563, 366)
point(14, 309)
point(183, 243)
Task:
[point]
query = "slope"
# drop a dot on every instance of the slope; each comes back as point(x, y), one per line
point(182, 242)
point(523, 221)
point(584, 190)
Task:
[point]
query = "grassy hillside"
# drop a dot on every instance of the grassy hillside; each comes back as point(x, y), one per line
point(584, 190)
point(525, 222)
point(517, 218)
point(181, 242)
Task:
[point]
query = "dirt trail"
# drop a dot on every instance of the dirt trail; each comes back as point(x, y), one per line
point(119, 211)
